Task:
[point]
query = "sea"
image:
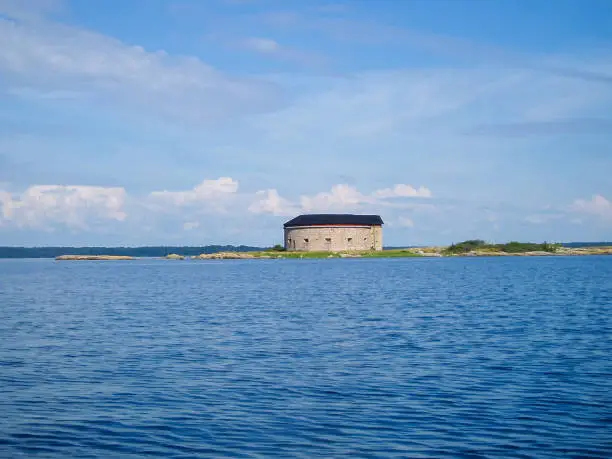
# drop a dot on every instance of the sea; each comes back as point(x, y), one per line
point(361, 358)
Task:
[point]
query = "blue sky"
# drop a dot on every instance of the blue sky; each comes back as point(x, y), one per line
point(214, 121)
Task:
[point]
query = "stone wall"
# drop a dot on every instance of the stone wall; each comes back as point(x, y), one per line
point(333, 238)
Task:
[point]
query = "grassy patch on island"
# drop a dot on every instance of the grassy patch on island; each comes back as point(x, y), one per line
point(394, 253)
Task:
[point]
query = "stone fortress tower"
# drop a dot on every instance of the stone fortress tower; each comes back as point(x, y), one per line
point(333, 233)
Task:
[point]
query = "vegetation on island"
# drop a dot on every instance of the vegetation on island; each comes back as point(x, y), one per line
point(341, 254)
point(278, 248)
point(510, 247)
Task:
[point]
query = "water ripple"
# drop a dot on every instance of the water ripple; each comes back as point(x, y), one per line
point(434, 358)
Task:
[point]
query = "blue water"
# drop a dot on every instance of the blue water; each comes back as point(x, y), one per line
point(355, 358)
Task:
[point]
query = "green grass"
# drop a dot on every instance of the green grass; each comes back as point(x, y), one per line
point(396, 253)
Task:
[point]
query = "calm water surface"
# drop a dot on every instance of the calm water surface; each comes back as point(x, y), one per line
point(307, 358)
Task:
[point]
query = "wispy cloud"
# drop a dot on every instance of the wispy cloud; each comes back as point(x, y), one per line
point(378, 108)
point(47, 56)
point(272, 48)
point(354, 31)
point(552, 127)
point(31, 9)
point(38, 94)
point(543, 218)
point(597, 206)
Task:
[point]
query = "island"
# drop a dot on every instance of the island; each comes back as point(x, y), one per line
point(93, 257)
point(471, 248)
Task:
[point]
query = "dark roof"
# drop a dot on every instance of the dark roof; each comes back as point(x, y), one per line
point(334, 219)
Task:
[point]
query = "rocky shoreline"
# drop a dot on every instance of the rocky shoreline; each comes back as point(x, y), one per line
point(394, 253)
point(93, 257)
point(561, 251)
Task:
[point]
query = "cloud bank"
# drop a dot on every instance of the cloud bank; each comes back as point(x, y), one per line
point(403, 207)
point(75, 207)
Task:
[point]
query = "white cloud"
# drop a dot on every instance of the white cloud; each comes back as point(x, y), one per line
point(262, 45)
point(6, 200)
point(36, 94)
point(597, 206)
point(272, 48)
point(341, 198)
point(540, 219)
point(403, 191)
point(208, 190)
point(346, 197)
point(40, 206)
point(405, 222)
point(271, 202)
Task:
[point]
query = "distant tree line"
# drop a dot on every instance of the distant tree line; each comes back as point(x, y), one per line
point(152, 251)
point(574, 245)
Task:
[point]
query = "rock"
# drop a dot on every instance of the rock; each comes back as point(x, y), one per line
point(481, 253)
point(174, 256)
point(92, 257)
point(225, 256)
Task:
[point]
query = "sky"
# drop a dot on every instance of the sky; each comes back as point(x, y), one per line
point(195, 122)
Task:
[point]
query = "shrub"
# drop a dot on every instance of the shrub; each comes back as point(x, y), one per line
point(278, 248)
point(510, 247)
point(466, 246)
